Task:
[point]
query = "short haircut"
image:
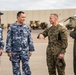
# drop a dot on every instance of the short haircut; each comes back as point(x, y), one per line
point(54, 14)
point(19, 13)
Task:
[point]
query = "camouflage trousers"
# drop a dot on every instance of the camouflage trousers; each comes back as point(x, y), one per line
point(15, 59)
point(54, 64)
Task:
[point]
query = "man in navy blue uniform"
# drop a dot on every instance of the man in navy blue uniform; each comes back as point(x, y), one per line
point(1, 41)
point(1, 37)
point(19, 45)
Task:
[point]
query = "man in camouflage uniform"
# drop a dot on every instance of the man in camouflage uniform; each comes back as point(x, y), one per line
point(19, 45)
point(1, 37)
point(57, 44)
point(1, 41)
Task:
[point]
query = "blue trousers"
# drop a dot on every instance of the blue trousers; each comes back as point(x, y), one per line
point(15, 59)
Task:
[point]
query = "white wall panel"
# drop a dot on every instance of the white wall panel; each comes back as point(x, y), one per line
point(41, 15)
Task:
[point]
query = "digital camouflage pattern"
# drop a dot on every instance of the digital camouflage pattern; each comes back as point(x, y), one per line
point(20, 43)
point(24, 57)
point(19, 38)
point(1, 39)
point(57, 44)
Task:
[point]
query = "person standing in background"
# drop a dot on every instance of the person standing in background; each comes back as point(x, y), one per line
point(73, 35)
point(1, 37)
point(1, 41)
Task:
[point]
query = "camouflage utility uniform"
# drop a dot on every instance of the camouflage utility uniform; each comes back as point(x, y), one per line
point(20, 43)
point(1, 39)
point(57, 43)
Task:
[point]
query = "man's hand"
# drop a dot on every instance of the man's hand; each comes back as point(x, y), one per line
point(30, 53)
point(9, 54)
point(61, 56)
point(1, 52)
point(41, 36)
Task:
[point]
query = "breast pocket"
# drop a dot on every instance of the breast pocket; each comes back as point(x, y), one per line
point(14, 34)
point(53, 36)
point(25, 34)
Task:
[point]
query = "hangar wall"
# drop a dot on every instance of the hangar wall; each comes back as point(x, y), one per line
point(41, 15)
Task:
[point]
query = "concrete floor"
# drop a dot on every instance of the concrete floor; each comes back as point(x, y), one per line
point(38, 59)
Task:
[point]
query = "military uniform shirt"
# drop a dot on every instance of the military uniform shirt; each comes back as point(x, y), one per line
point(1, 39)
point(57, 39)
point(19, 38)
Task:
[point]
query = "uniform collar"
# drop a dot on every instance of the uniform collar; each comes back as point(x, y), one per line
point(19, 25)
point(55, 26)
